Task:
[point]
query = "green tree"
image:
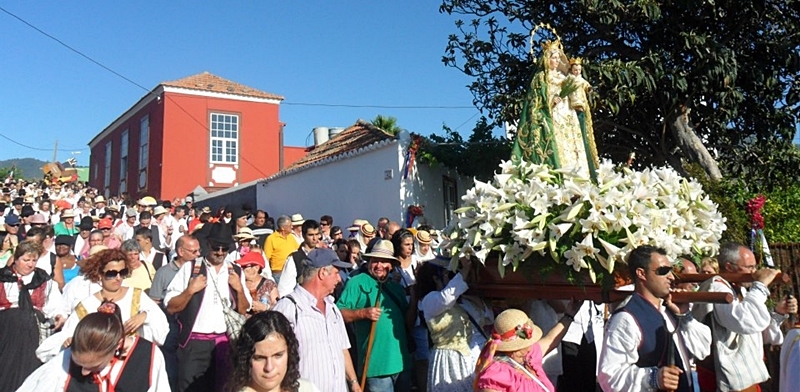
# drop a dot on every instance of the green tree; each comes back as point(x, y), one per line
point(386, 123)
point(732, 65)
point(478, 156)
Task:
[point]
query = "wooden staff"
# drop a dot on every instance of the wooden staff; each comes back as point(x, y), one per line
point(732, 277)
point(370, 341)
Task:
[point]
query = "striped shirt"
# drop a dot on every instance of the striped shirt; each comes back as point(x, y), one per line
point(322, 339)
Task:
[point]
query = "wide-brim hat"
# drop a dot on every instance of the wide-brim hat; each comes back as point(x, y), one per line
point(29, 200)
point(38, 219)
point(159, 210)
point(356, 225)
point(100, 199)
point(514, 330)
point(148, 201)
point(297, 220)
point(237, 213)
point(130, 212)
point(68, 213)
point(220, 234)
point(245, 233)
point(383, 249)
point(423, 237)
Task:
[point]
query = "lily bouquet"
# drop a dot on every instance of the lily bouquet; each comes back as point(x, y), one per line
point(534, 213)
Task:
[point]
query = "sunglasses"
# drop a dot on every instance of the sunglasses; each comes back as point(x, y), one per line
point(14, 225)
point(661, 271)
point(111, 274)
point(219, 248)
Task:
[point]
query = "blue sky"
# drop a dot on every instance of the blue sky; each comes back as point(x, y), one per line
point(385, 53)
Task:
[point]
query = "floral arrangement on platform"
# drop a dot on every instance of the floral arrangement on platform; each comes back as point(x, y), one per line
point(534, 213)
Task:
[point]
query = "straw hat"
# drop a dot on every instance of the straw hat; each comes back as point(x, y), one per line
point(159, 210)
point(297, 220)
point(383, 249)
point(245, 233)
point(515, 331)
point(423, 237)
point(148, 201)
point(367, 230)
point(68, 213)
point(99, 199)
point(356, 224)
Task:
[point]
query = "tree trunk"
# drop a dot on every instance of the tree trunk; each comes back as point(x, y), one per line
point(690, 144)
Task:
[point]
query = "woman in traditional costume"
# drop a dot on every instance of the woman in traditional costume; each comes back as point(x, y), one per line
point(140, 314)
point(549, 130)
point(102, 357)
point(511, 361)
point(29, 300)
point(456, 323)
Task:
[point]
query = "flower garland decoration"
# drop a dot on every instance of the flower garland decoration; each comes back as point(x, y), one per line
point(534, 212)
point(411, 155)
point(758, 241)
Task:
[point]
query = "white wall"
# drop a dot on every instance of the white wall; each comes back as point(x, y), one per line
point(426, 190)
point(347, 189)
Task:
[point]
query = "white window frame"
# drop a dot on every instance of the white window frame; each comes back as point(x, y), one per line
point(144, 150)
point(223, 146)
point(107, 172)
point(123, 161)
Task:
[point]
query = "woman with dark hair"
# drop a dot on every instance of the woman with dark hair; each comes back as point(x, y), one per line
point(266, 357)
point(140, 315)
point(29, 300)
point(102, 358)
point(7, 248)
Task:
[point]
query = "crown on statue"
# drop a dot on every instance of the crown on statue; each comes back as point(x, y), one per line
point(576, 61)
point(548, 46)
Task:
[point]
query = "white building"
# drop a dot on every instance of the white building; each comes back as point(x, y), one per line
point(359, 173)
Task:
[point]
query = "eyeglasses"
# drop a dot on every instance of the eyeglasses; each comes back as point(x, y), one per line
point(664, 270)
point(111, 274)
point(191, 250)
point(324, 224)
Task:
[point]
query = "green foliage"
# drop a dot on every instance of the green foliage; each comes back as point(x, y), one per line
point(781, 212)
point(4, 171)
point(733, 64)
point(476, 157)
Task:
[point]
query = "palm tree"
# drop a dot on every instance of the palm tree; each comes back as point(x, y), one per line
point(386, 123)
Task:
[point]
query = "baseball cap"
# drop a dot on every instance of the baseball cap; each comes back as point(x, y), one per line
point(12, 219)
point(319, 258)
point(105, 223)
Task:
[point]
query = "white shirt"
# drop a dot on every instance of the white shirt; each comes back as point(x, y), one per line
point(53, 375)
point(76, 290)
point(209, 316)
point(53, 303)
point(618, 370)
point(790, 362)
point(288, 280)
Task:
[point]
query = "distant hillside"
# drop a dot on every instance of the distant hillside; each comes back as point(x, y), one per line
point(28, 168)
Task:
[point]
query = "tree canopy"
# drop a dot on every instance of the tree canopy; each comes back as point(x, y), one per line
point(700, 81)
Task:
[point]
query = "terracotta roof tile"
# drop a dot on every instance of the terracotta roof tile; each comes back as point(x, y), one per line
point(358, 138)
point(208, 82)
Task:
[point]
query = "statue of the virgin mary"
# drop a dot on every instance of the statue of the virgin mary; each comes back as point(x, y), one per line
point(550, 130)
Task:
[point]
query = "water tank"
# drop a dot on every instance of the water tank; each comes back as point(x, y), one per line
point(320, 135)
point(334, 131)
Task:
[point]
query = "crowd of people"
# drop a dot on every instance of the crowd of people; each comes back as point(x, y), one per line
point(155, 295)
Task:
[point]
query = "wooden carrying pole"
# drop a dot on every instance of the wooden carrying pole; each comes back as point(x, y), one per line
point(594, 293)
point(731, 277)
point(370, 341)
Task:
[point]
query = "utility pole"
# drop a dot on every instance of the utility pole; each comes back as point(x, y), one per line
point(55, 152)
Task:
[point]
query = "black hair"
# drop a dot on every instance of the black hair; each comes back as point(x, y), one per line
point(641, 258)
point(397, 239)
point(310, 224)
point(254, 330)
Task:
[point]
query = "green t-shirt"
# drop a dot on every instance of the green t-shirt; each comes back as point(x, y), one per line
point(389, 349)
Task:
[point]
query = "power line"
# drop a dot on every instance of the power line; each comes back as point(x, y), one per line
point(336, 105)
point(24, 145)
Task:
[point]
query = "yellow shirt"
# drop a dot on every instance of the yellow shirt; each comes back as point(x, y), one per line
point(140, 278)
point(278, 248)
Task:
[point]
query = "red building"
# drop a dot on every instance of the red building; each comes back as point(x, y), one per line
point(201, 130)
